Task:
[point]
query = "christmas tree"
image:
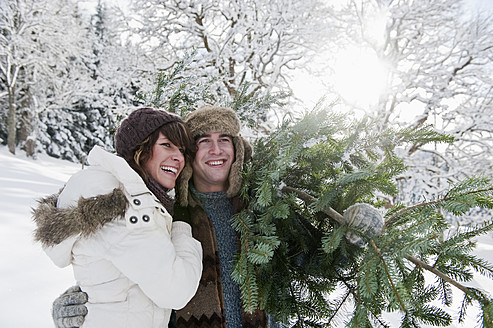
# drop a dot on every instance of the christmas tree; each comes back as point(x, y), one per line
point(296, 259)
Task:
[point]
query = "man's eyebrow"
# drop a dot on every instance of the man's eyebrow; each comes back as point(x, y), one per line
point(208, 135)
point(204, 135)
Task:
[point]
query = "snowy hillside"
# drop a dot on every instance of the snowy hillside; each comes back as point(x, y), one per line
point(29, 281)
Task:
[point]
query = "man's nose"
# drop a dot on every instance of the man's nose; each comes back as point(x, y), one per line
point(215, 148)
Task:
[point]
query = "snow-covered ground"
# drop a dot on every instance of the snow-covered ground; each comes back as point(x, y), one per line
point(29, 281)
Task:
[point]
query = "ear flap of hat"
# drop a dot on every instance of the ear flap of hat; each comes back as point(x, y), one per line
point(243, 153)
point(248, 150)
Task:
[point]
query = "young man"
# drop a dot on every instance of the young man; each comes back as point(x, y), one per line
point(208, 200)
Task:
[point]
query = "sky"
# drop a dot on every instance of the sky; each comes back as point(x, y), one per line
point(481, 4)
point(30, 281)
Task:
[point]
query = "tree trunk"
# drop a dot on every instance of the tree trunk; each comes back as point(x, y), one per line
point(11, 122)
point(27, 135)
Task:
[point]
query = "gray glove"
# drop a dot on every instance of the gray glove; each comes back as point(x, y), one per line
point(68, 309)
point(364, 218)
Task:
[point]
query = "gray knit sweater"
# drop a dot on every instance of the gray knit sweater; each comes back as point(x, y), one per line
point(219, 210)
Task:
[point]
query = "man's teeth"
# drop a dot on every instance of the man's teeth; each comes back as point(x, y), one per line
point(169, 169)
point(215, 162)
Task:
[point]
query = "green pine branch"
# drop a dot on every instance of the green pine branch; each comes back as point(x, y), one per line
point(295, 255)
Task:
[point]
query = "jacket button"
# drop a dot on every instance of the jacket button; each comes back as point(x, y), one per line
point(133, 219)
point(137, 201)
point(146, 218)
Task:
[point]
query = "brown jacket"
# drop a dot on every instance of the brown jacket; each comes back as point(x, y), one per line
point(206, 309)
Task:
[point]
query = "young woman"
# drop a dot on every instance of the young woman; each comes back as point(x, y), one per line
point(112, 222)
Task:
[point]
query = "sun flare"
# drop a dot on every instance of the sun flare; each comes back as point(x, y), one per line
point(359, 77)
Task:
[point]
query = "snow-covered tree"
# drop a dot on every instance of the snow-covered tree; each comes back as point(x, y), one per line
point(439, 62)
point(114, 62)
point(236, 41)
point(40, 62)
point(66, 73)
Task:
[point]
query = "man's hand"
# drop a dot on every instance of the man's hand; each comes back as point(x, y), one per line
point(364, 218)
point(69, 308)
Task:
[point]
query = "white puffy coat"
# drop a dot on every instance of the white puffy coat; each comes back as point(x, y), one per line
point(136, 269)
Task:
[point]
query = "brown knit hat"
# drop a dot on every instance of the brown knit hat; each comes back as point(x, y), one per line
point(217, 119)
point(140, 124)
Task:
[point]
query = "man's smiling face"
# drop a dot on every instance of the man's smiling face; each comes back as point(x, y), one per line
point(213, 160)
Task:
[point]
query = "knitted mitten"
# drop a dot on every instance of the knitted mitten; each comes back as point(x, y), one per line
point(68, 309)
point(364, 218)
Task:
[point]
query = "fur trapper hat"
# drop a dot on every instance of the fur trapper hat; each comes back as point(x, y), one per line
point(140, 124)
point(217, 119)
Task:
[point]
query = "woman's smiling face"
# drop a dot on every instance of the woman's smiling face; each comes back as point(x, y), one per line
point(166, 162)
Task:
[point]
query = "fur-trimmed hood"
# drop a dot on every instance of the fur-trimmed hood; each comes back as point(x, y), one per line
point(54, 225)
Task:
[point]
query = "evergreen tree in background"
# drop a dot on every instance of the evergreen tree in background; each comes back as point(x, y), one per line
point(71, 130)
point(70, 133)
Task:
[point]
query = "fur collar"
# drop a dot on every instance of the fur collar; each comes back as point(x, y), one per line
point(54, 225)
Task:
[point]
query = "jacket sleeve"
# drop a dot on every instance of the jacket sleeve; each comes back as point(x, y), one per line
point(167, 267)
